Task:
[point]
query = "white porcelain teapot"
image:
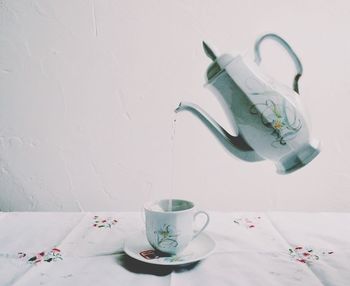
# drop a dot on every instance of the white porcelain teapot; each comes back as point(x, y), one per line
point(267, 115)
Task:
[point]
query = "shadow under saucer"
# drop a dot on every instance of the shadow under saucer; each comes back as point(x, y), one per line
point(136, 266)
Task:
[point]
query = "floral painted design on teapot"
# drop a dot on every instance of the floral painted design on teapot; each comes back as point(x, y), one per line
point(274, 117)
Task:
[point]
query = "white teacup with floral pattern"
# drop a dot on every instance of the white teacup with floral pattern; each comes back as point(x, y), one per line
point(170, 224)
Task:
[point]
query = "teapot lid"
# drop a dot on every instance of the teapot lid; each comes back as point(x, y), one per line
point(219, 63)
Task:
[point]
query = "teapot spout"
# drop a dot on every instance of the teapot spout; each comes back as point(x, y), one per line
point(236, 145)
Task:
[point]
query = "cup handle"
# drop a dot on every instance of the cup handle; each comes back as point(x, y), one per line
point(287, 47)
point(204, 226)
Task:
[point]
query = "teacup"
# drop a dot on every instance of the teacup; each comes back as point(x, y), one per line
point(170, 224)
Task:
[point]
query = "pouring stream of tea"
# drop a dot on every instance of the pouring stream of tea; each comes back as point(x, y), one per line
point(172, 167)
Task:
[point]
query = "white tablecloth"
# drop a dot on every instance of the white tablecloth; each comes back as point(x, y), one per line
point(251, 249)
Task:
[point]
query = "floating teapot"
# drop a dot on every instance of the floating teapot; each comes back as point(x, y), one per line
point(267, 116)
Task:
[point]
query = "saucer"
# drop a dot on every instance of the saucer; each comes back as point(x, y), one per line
point(137, 247)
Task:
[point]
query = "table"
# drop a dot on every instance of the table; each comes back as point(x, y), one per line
point(274, 248)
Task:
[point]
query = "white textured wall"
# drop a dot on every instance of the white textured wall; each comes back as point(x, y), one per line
point(88, 89)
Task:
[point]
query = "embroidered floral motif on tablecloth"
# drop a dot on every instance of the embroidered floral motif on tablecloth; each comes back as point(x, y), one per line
point(51, 256)
point(107, 222)
point(306, 254)
point(248, 222)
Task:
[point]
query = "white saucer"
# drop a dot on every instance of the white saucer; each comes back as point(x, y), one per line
point(137, 246)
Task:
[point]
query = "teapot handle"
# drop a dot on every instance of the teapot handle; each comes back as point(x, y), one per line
point(284, 44)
